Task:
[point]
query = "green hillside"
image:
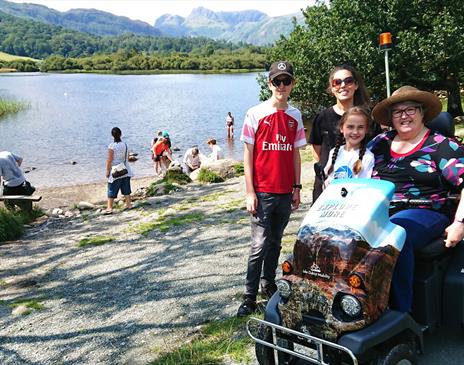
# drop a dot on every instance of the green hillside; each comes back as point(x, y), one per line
point(83, 20)
point(24, 37)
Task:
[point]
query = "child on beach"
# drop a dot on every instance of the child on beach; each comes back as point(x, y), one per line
point(156, 162)
point(350, 158)
point(216, 151)
point(162, 153)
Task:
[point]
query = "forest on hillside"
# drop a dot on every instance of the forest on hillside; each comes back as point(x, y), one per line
point(64, 49)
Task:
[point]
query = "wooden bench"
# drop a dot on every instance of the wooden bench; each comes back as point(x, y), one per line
point(24, 202)
point(34, 198)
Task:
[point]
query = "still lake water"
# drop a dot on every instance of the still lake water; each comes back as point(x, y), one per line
point(71, 116)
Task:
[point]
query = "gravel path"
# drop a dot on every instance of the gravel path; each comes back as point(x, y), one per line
point(119, 302)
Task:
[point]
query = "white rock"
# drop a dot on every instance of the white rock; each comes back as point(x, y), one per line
point(170, 211)
point(68, 214)
point(85, 205)
point(57, 212)
point(20, 310)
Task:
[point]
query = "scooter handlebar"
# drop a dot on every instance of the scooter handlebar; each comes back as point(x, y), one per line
point(420, 202)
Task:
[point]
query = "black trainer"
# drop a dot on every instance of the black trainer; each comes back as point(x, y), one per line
point(246, 308)
point(268, 290)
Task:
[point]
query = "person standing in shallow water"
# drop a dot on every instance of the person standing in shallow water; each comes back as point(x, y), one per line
point(272, 133)
point(230, 125)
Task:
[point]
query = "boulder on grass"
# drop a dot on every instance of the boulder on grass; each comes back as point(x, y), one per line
point(224, 168)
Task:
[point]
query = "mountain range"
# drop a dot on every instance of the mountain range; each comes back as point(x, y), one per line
point(249, 26)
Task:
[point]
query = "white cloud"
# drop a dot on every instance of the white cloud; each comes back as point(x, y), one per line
point(150, 10)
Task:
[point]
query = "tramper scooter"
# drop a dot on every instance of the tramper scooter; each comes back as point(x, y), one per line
point(331, 306)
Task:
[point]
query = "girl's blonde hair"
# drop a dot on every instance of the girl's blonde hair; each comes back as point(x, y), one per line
point(355, 110)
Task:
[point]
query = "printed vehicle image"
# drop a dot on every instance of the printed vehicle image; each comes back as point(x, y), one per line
point(331, 306)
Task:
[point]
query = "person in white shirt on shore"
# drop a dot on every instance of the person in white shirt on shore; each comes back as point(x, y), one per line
point(216, 151)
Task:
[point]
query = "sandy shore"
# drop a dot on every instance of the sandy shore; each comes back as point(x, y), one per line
point(67, 196)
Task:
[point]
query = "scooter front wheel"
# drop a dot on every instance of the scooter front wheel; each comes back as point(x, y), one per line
point(400, 354)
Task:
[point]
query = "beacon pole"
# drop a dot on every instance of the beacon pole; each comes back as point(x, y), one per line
point(385, 43)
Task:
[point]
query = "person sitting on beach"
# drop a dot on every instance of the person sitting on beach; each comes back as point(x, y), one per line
point(216, 151)
point(162, 152)
point(230, 125)
point(13, 179)
point(191, 161)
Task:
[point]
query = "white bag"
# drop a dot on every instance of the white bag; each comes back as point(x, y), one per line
point(119, 170)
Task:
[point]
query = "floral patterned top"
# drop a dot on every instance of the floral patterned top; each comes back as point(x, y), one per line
point(430, 171)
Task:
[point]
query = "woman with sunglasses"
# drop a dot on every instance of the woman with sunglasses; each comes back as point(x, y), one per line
point(347, 85)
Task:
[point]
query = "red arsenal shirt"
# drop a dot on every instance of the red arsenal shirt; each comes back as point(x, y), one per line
point(275, 134)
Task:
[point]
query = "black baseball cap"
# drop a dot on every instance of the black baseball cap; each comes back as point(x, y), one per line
point(280, 68)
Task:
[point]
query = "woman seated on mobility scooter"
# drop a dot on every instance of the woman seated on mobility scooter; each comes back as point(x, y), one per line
point(423, 164)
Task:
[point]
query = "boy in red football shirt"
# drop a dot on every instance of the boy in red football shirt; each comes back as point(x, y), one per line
point(272, 134)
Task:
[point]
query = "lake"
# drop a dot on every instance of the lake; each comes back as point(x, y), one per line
point(71, 116)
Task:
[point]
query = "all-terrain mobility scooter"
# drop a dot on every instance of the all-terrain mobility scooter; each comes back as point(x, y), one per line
point(331, 306)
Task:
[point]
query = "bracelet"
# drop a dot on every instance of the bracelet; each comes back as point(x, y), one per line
point(297, 186)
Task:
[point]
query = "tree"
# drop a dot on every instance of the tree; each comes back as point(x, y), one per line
point(428, 51)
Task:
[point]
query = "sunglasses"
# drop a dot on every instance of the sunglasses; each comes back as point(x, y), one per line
point(286, 81)
point(347, 81)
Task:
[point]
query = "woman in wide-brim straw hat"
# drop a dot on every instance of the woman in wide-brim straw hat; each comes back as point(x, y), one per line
point(422, 164)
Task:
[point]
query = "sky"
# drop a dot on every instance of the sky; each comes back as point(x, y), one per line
point(150, 10)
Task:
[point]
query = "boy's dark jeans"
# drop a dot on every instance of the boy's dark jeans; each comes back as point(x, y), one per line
point(267, 228)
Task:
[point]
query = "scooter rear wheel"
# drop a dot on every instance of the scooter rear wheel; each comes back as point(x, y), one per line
point(265, 355)
point(400, 354)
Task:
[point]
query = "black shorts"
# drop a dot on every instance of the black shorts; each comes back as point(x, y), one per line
point(24, 189)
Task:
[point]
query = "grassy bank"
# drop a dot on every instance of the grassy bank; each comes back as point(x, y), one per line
point(12, 223)
point(11, 106)
point(216, 343)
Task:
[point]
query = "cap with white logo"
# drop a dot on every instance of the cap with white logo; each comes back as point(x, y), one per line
point(280, 68)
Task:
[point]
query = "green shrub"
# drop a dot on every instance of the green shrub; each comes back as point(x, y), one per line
point(176, 177)
point(208, 176)
point(95, 241)
point(11, 106)
point(11, 225)
point(169, 181)
point(239, 170)
point(12, 222)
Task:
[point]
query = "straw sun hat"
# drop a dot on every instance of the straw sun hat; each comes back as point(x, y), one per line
point(431, 103)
